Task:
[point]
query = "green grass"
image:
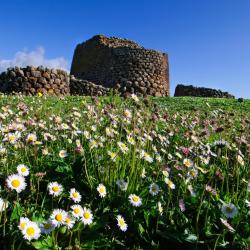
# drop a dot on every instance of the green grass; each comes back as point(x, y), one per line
point(160, 137)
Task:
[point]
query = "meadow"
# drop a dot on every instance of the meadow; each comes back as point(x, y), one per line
point(114, 173)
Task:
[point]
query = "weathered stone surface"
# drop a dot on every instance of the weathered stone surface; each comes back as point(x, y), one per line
point(190, 90)
point(113, 61)
point(32, 80)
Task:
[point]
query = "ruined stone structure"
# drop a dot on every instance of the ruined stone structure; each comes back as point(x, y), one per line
point(34, 80)
point(122, 64)
point(189, 90)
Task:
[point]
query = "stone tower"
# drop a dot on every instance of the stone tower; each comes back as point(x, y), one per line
point(122, 64)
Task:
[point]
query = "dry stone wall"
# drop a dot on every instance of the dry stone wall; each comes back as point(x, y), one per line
point(34, 80)
point(189, 90)
point(123, 65)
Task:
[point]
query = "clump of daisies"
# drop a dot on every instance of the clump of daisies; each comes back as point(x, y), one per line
point(29, 229)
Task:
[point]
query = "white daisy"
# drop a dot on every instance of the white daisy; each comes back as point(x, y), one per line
point(188, 163)
point(75, 195)
point(135, 200)
point(58, 217)
point(229, 210)
point(226, 224)
point(47, 227)
point(121, 223)
point(55, 188)
point(31, 231)
point(101, 190)
point(23, 222)
point(77, 211)
point(23, 170)
point(87, 216)
point(122, 147)
point(154, 189)
point(3, 205)
point(169, 183)
point(31, 138)
point(69, 221)
point(16, 182)
point(63, 154)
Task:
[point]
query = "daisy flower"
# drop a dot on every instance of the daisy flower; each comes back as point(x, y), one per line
point(135, 98)
point(77, 211)
point(23, 170)
point(122, 147)
point(31, 138)
point(75, 195)
point(63, 154)
point(101, 190)
point(229, 210)
point(169, 183)
point(16, 182)
point(55, 188)
point(69, 221)
point(58, 217)
point(47, 227)
point(87, 216)
point(154, 189)
point(188, 163)
point(135, 200)
point(112, 155)
point(121, 223)
point(3, 205)
point(31, 231)
point(23, 222)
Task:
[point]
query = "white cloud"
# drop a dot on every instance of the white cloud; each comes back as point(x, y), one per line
point(35, 58)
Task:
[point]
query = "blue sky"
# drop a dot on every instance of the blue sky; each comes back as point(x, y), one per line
point(208, 41)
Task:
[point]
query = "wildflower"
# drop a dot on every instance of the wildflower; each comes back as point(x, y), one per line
point(58, 217)
point(112, 155)
point(102, 190)
point(160, 209)
point(121, 223)
point(47, 227)
point(154, 189)
point(69, 221)
point(23, 170)
point(23, 222)
point(77, 211)
point(122, 185)
point(229, 210)
point(3, 205)
point(191, 190)
point(247, 203)
point(16, 182)
point(182, 205)
point(31, 138)
point(188, 163)
point(127, 113)
point(86, 134)
point(226, 224)
point(134, 97)
point(122, 147)
point(240, 160)
point(135, 200)
point(75, 195)
point(211, 190)
point(55, 189)
point(169, 183)
point(63, 154)
point(143, 174)
point(93, 128)
point(130, 140)
point(87, 216)
point(158, 158)
point(31, 231)
point(192, 173)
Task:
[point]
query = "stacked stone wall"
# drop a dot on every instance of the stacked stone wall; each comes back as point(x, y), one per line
point(189, 90)
point(122, 64)
point(34, 80)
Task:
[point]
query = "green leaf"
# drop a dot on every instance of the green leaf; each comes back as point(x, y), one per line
point(16, 213)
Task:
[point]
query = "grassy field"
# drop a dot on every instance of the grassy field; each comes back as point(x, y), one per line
point(113, 173)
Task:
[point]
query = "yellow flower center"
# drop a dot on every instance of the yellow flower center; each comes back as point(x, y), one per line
point(22, 225)
point(76, 210)
point(102, 190)
point(30, 231)
point(68, 221)
point(86, 215)
point(23, 170)
point(135, 198)
point(75, 195)
point(229, 209)
point(59, 217)
point(121, 222)
point(55, 188)
point(15, 183)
